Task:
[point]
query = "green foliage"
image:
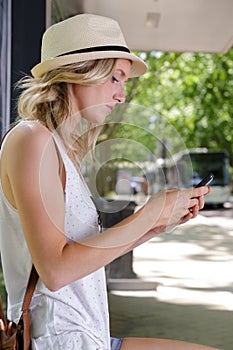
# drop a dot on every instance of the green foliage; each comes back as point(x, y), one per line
point(192, 92)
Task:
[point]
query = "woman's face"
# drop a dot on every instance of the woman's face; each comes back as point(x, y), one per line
point(96, 102)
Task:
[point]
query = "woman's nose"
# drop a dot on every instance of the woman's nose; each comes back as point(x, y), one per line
point(119, 95)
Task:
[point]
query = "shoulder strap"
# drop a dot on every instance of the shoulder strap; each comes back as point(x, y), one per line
point(25, 317)
point(33, 278)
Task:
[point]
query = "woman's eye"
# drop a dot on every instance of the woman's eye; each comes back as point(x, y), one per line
point(114, 79)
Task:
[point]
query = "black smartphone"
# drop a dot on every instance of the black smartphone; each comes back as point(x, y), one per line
point(206, 181)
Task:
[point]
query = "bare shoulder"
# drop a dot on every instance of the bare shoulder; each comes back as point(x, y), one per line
point(27, 143)
point(26, 137)
point(27, 146)
point(28, 131)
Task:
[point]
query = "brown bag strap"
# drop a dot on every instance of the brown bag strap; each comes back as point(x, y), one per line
point(32, 281)
point(25, 317)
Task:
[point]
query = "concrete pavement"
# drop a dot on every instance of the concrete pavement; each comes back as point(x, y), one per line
point(184, 288)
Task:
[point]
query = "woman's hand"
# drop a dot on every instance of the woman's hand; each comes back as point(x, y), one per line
point(174, 207)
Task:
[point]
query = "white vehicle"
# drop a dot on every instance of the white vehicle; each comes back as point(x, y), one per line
point(188, 168)
point(204, 161)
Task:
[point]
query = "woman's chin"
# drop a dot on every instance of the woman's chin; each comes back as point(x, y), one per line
point(97, 119)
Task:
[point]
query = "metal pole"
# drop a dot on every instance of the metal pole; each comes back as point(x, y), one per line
point(5, 64)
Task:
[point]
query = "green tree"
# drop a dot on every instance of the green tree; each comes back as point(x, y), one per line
point(194, 93)
point(191, 92)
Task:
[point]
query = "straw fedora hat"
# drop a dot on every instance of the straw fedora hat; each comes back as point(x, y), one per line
point(84, 37)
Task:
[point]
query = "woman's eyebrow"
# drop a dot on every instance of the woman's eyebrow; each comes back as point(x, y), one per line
point(121, 72)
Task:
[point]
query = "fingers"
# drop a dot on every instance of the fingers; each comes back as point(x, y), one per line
point(201, 202)
point(195, 210)
point(186, 218)
point(196, 204)
point(178, 206)
point(200, 191)
point(199, 194)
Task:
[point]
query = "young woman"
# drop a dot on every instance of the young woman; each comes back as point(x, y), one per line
point(47, 214)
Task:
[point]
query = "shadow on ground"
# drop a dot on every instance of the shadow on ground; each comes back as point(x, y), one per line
point(193, 269)
point(148, 317)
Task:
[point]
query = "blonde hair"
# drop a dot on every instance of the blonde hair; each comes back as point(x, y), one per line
point(46, 99)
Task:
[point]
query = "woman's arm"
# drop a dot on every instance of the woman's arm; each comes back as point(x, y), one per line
point(33, 172)
point(169, 206)
point(196, 203)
